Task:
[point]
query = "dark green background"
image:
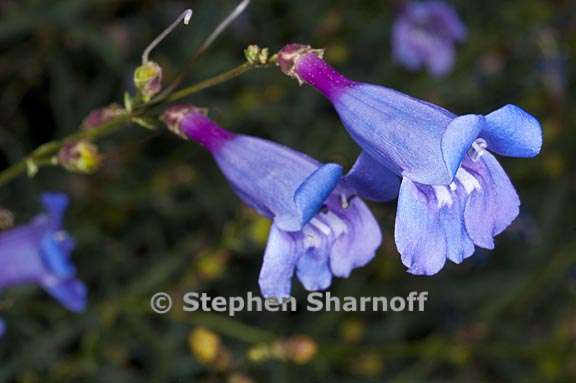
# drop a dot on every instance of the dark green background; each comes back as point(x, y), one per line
point(159, 215)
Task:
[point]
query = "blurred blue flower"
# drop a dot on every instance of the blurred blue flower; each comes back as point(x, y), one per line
point(319, 229)
point(424, 35)
point(39, 252)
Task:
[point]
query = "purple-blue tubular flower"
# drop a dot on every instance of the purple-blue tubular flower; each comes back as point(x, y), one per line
point(319, 229)
point(424, 34)
point(409, 137)
point(453, 193)
point(39, 253)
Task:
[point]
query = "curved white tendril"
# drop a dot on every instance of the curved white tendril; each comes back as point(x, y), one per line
point(224, 24)
point(184, 16)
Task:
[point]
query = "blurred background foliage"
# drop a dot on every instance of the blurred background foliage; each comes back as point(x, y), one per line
point(160, 217)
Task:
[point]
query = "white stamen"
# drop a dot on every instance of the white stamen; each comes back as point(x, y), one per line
point(337, 225)
point(184, 16)
point(325, 229)
point(467, 180)
point(478, 148)
point(453, 187)
point(344, 201)
point(443, 195)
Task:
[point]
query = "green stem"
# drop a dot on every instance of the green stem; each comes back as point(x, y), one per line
point(46, 151)
point(12, 172)
point(223, 77)
point(50, 149)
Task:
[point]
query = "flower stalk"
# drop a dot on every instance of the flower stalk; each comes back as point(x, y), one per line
point(43, 154)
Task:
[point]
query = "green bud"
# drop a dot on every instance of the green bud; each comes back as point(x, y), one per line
point(148, 80)
point(256, 55)
point(80, 157)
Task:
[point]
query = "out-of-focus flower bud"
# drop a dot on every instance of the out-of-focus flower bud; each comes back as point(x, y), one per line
point(368, 365)
point(299, 349)
point(100, 116)
point(211, 265)
point(352, 331)
point(80, 157)
point(148, 79)
point(205, 345)
point(259, 353)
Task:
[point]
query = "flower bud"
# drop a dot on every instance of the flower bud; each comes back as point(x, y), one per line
point(300, 349)
point(256, 55)
point(148, 79)
point(100, 116)
point(80, 157)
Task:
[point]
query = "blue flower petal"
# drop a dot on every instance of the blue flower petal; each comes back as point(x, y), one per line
point(451, 219)
point(312, 193)
point(278, 265)
point(55, 250)
point(55, 205)
point(511, 131)
point(457, 140)
point(20, 254)
point(280, 183)
point(359, 243)
point(2, 327)
point(430, 226)
point(71, 293)
point(412, 138)
point(371, 180)
point(313, 269)
point(419, 236)
point(492, 209)
point(441, 57)
point(424, 33)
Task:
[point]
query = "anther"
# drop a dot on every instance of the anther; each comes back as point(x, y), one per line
point(478, 148)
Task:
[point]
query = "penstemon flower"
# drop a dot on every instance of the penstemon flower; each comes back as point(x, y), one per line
point(318, 230)
point(39, 252)
point(449, 200)
point(424, 35)
point(410, 137)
